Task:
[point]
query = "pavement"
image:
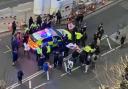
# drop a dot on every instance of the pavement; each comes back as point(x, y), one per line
point(111, 16)
point(11, 3)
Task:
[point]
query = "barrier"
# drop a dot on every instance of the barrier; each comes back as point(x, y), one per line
point(103, 2)
point(8, 17)
point(93, 7)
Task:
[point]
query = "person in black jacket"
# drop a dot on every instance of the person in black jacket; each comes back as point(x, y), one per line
point(13, 27)
point(58, 14)
point(20, 75)
point(39, 21)
point(122, 40)
point(60, 61)
point(30, 22)
point(56, 58)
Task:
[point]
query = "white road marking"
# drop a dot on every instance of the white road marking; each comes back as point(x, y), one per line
point(109, 43)
point(126, 57)
point(25, 80)
point(30, 84)
point(9, 49)
point(62, 75)
point(40, 85)
point(110, 51)
point(105, 36)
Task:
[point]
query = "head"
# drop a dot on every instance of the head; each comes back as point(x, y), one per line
point(101, 24)
point(30, 17)
point(14, 22)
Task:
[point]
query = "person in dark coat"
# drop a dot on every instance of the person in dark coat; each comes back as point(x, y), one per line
point(13, 27)
point(95, 38)
point(82, 57)
point(83, 28)
point(81, 16)
point(100, 30)
point(60, 61)
point(44, 24)
point(56, 58)
point(65, 39)
point(39, 21)
point(122, 40)
point(49, 23)
point(15, 56)
point(20, 75)
point(58, 14)
point(41, 61)
point(14, 43)
point(30, 22)
point(100, 26)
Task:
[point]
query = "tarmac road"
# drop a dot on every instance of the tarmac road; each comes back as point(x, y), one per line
point(111, 17)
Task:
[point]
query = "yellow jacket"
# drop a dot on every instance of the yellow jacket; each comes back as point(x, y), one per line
point(78, 35)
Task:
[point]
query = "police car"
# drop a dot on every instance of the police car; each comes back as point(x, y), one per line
point(47, 36)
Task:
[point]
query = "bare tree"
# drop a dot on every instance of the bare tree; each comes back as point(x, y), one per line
point(114, 76)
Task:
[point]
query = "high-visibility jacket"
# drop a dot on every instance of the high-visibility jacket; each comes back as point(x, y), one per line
point(78, 35)
point(48, 49)
point(34, 26)
point(39, 51)
point(39, 42)
point(50, 43)
point(26, 29)
point(88, 49)
point(68, 34)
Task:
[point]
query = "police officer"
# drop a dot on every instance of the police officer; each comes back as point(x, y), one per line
point(78, 37)
point(65, 38)
point(48, 51)
point(84, 38)
point(38, 53)
point(33, 27)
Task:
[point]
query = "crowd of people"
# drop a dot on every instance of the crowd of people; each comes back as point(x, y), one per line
point(83, 54)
